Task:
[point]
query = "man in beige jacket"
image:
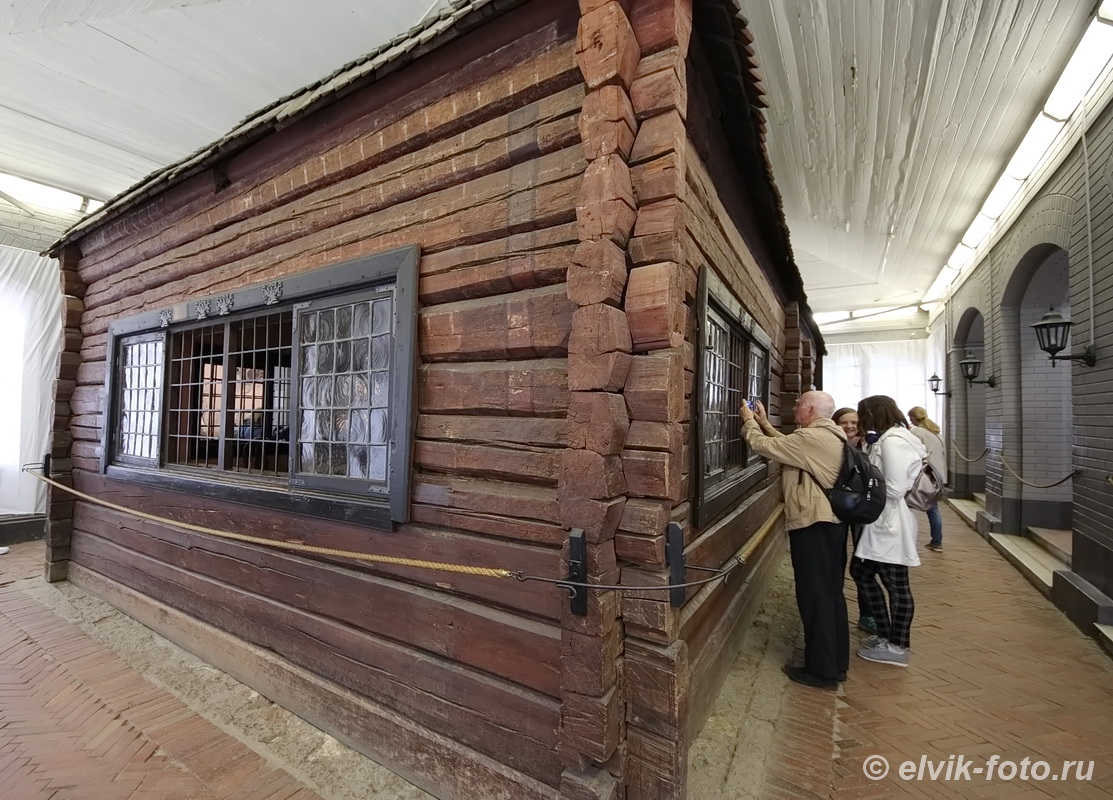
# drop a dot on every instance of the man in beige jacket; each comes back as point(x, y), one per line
point(812, 457)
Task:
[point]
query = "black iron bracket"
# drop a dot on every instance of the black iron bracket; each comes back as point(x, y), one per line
point(674, 556)
point(46, 465)
point(577, 572)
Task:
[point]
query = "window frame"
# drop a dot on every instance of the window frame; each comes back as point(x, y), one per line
point(363, 275)
point(712, 498)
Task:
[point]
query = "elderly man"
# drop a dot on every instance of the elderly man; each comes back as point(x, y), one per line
point(812, 456)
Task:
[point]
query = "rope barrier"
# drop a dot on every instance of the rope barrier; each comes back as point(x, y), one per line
point(1037, 485)
point(964, 458)
point(488, 572)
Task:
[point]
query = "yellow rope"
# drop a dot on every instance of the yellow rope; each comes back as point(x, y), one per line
point(488, 572)
point(1036, 485)
point(760, 534)
point(964, 458)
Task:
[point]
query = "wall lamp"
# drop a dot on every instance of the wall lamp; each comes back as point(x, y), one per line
point(970, 367)
point(933, 384)
point(1052, 332)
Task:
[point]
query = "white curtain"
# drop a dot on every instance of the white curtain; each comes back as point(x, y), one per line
point(861, 369)
point(30, 332)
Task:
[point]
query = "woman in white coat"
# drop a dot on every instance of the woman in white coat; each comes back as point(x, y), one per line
point(887, 547)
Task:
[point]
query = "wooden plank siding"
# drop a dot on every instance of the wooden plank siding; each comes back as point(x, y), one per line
point(482, 170)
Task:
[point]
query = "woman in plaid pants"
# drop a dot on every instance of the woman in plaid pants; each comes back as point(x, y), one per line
point(887, 547)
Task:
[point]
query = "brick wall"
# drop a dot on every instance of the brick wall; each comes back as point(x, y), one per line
point(1045, 400)
point(1055, 218)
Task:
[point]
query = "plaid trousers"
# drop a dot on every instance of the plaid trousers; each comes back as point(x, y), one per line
point(893, 618)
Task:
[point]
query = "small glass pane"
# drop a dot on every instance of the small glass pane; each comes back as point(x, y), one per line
point(324, 392)
point(343, 322)
point(380, 317)
point(322, 460)
point(377, 431)
point(327, 326)
point(380, 352)
point(339, 464)
point(324, 427)
point(308, 425)
point(309, 393)
point(361, 391)
point(343, 356)
point(361, 355)
point(376, 466)
point(309, 360)
point(309, 326)
point(306, 457)
point(361, 324)
point(325, 358)
point(379, 390)
point(340, 432)
point(357, 462)
point(358, 421)
point(343, 394)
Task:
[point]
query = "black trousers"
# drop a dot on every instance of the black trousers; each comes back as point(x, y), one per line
point(818, 564)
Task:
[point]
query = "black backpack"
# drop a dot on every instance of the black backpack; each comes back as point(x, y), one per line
point(858, 496)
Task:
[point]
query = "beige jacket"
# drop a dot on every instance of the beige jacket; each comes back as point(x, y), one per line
point(812, 449)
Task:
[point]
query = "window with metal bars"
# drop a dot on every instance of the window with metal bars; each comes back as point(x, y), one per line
point(733, 368)
point(299, 405)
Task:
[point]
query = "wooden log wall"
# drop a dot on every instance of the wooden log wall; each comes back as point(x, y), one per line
point(60, 506)
point(482, 165)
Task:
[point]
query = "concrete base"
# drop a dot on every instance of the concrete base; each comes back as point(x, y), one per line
point(1033, 562)
point(1083, 603)
point(16, 528)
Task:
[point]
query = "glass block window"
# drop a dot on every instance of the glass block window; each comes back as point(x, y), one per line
point(344, 391)
point(139, 401)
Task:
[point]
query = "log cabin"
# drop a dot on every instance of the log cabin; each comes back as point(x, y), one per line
point(489, 296)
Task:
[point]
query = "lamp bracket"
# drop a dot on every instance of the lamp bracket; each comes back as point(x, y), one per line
point(1087, 357)
point(990, 382)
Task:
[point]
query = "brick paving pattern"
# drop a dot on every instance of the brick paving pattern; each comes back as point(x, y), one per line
point(77, 723)
point(995, 669)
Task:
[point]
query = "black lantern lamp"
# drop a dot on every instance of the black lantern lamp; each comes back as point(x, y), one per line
point(970, 367)
point(1052, 332)
point(933, 384)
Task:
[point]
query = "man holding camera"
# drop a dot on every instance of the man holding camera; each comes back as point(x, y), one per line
point(812, 457)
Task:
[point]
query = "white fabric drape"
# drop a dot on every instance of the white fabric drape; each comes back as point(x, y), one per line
point(897, 369)
point(30, 331)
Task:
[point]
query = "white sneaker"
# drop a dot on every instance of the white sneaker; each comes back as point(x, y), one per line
point(3, 550)
point(886, 653)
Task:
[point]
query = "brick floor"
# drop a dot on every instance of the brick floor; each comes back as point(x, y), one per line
point(995, 670)
point(76, 722)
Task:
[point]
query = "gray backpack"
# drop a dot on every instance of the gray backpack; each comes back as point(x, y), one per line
point(926, 491)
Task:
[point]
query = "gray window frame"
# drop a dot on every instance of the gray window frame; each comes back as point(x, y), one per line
point(336, 500)
point(712, 498)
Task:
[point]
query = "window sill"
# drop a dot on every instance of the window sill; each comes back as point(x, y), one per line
point(343, 508)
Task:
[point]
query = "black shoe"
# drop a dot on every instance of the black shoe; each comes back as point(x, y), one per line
point(801, 675)
point(842, 676)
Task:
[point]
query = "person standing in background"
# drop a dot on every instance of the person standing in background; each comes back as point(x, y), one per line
point(847, 419)
point(928, 432)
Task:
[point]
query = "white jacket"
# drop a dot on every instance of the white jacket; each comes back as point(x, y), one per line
point(892, 538)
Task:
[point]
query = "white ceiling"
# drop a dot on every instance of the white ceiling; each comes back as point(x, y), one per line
point(96, 94)
point(889, 119)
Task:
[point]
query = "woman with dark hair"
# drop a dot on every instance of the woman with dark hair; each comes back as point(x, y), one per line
point(887, 547)
point(847, 419)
